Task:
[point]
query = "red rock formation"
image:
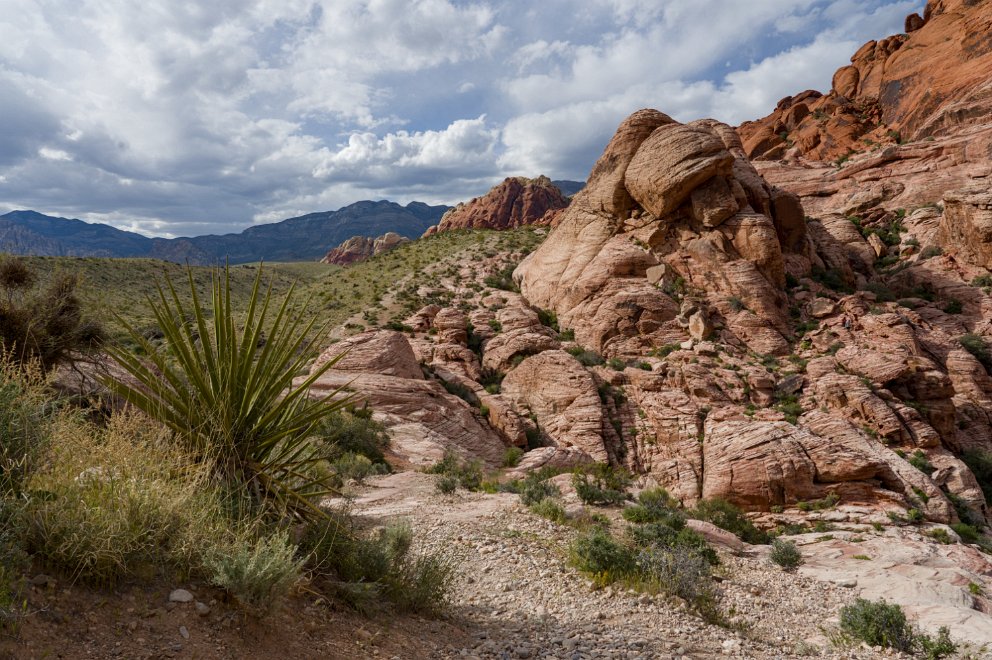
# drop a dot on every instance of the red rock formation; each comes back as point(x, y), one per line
point(930, 82)
point(513, 203)
point(360, 248)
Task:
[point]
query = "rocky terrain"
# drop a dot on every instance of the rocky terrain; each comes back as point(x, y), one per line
point(360, 248)
point(515, 202)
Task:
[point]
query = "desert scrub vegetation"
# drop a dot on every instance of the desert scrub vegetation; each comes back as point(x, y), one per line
point(229, 396)
point(41, 318)
point(658, 554)
point(601, 483)
point(454, 472)
point(786, 554)
point(214, 473)
point(726, 516)
point(879, 623)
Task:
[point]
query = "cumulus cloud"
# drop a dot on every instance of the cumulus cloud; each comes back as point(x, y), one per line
point(178, 118)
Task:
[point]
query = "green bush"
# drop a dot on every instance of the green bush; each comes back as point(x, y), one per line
point(42, 321)
point(586, 358)
point(512, 456)
point(979, 461)
point(616, 364)
point(977, 346)
point(258, 574)
point(502, 279)
point(467, 474)
point(598, 554)
point(551, 509)
point(230, 397)
point(120, 502)
point(786, 554)
point(534, 489)
point(548, 318)
point(726, 516)
point(877, 623)
point(982, 280)
point(353, 431)
point(920, 462)
point(23, 419)
point(601, 483)
point(446, 484)
point(654, 505)
point(363, 568)
point(935, 648)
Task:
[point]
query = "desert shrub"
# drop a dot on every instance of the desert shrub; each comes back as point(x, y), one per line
point(467, 474)
point(534, 489)
point(230, 398)
point(934, 648)
point(551, 509)
point(512, 456)
point(919, 460)
point(13, 562)
point(726, 516)
point(446, 484)
point(617, 364)
point(977, 346)
point(979, 461)
point(548, 318)
point(601, 556)
point(877, 623)
point(353, 431)
point(601, 483)
point(953, 306)
point(678, 571)
point(43, 321)
point(831, 279)
point(982, 280)
point(586, 358)
point(786, 554)
point(940, 535)
point(567, 334)
point(357, 467)
point(120, 502)
point(491, 380)
point(655, 505)
point(257, 574)
point(502, 279)
point(931, 251)
point(364, 568)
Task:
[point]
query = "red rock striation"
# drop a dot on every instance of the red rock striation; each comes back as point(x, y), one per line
point(515, 202)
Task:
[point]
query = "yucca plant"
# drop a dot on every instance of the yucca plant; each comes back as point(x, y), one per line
point(229, 395)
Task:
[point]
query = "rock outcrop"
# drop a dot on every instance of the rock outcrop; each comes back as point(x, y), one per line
point(424, 420)
point(928, 82)
point(515, 202)
point(670, 211)
point(360, 248)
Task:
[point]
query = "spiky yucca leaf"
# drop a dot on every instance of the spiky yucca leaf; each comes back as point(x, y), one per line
point(229, 395)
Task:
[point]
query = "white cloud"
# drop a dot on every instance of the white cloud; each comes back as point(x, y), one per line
point(191, 117)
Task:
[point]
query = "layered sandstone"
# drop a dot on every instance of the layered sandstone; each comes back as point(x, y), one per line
point(360, 248)
point(515, 202)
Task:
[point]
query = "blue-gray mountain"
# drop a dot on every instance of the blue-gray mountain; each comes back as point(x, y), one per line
point(305, 238)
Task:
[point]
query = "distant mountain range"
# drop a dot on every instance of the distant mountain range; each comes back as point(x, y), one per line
point(306, 238)
point(569, 188)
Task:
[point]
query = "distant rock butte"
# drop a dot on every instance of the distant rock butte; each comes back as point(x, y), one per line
point(515, 202)
point(360, 248)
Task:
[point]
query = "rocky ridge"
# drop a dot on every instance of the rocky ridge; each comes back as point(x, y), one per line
point(515, 202)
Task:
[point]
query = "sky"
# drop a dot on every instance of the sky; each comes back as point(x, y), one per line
point(207, 116)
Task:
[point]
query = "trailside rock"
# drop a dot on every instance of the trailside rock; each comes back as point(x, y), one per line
point(515, 202)
point(562, 396)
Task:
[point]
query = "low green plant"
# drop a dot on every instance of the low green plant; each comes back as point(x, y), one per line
point(982, 280)
point(616, 364)
point(258, 574)
point(365, 569)
point(877, 623)
point(536, 488)
point(551, 509)
point(726, 516)
point(601, 483)
point(512, 456)
point(940, 535)
point(446, 484)
point(586, 358)
point(979, 461)
point(786, 554)
point(919, 460)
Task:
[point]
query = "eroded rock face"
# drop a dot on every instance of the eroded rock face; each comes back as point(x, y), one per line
point(423, 419)
point(515, 202)
point(562, 395)
point(926, 82)
point(681, 196)
point(966, 226)
point(360, 248)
